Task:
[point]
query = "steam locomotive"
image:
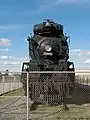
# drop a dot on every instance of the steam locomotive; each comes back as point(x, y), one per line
point(48, 51)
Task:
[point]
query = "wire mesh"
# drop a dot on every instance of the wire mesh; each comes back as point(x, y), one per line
point(46, 87)
point(13, 103)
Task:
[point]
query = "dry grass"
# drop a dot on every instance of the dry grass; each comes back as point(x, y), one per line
point(79, 107)
point(18, 92)
point(7, 97)
point(76, 112)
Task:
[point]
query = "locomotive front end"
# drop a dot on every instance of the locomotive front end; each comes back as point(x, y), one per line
point(49, 53)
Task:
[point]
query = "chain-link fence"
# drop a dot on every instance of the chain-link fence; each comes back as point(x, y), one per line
point(44, 87)
point(13, 103)
point(9, 83)
point(49, 83)
point(52, 86)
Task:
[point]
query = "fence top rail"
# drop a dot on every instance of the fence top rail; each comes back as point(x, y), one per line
point(49, 72)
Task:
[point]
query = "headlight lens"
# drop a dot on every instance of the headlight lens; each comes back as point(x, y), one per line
point(71, 66)
point(48, 48)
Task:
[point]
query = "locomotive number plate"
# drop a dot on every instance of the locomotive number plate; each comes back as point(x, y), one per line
point(48, 53)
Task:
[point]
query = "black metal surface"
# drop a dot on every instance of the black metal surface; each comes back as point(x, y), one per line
point(51, 34)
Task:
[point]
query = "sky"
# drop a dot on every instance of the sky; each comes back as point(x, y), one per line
point(19, 16)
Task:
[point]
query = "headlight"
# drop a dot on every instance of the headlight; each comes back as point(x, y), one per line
point(71, 66)
point(48, 48)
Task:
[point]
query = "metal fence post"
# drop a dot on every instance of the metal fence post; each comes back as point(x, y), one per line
point(27, 93)
point(3, 83)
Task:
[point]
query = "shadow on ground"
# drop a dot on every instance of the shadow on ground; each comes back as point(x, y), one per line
point(81, 95)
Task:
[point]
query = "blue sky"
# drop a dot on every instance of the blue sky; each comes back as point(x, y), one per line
point(18, 17)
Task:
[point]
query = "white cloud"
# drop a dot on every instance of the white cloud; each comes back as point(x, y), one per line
point(75, 50)
point(47, 6)
point(4, 57)
point(5, 27)
point(5, 63)
point(80, 58)
point(13, 58)
point(65, 1)
point(80, 52)
point(2, 50)
point(87, 61)
point(71, 1)
point(88, 52)
point(12, 63)
point(5, 42)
